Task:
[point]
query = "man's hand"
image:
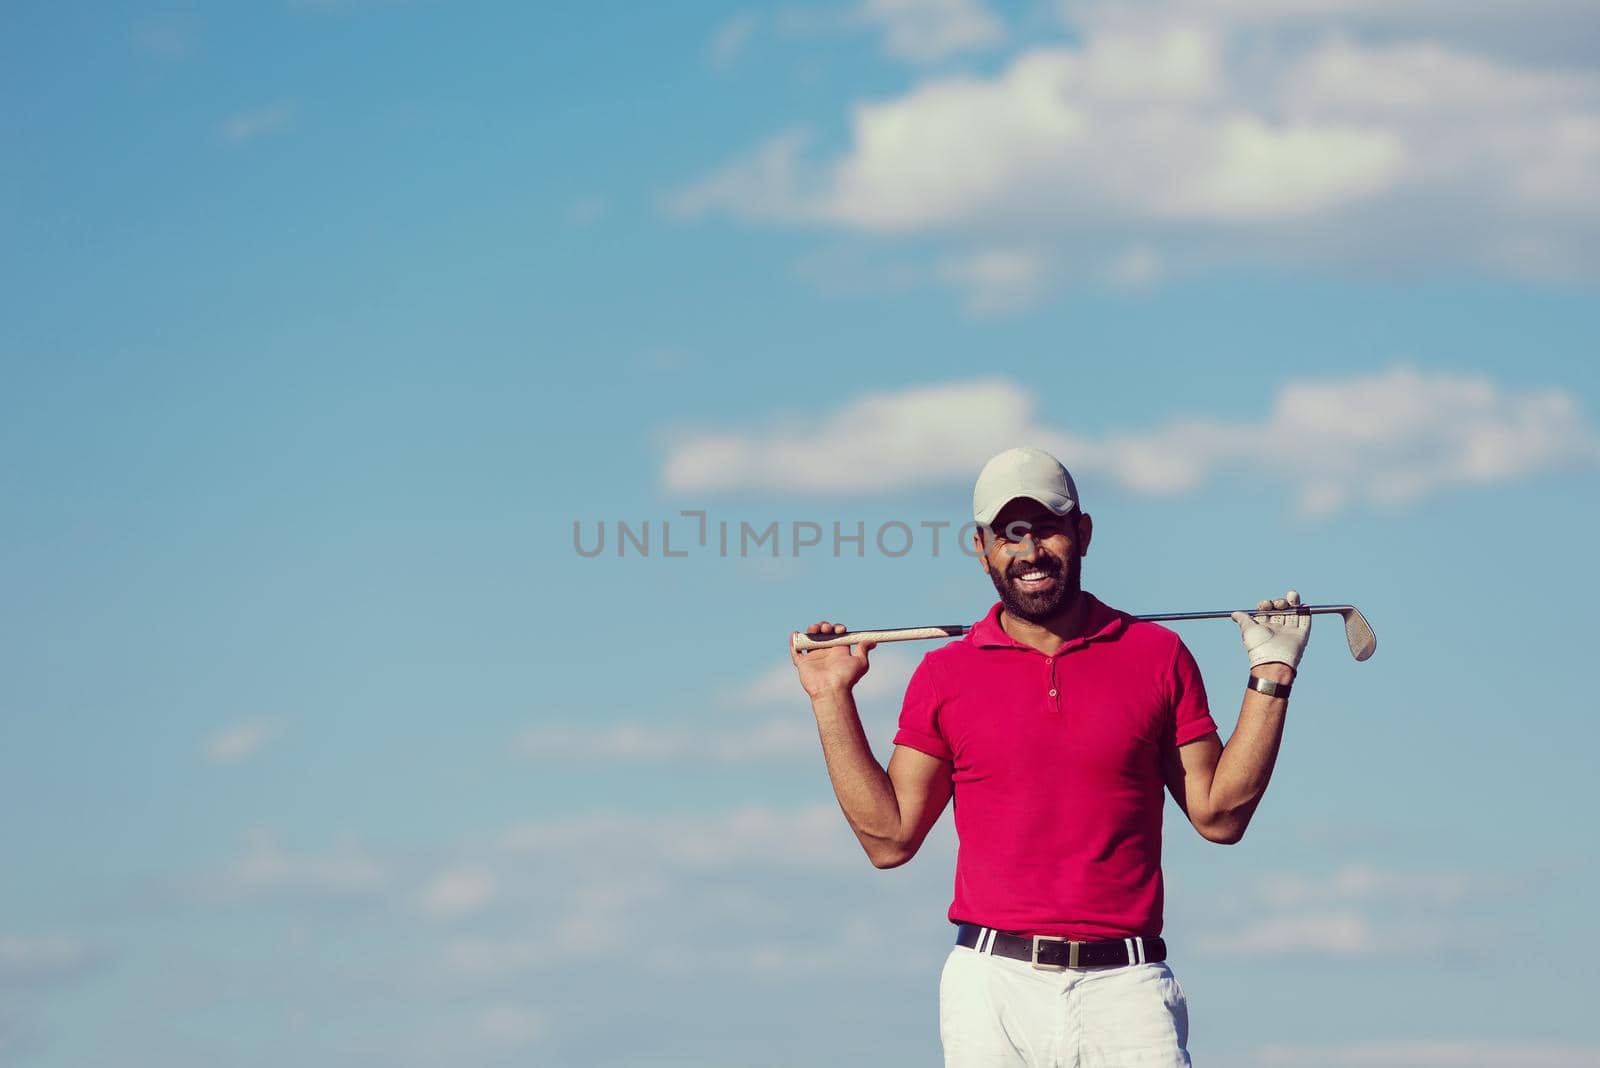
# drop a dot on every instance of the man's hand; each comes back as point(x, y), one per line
point(830, 670)
point(1275, 633)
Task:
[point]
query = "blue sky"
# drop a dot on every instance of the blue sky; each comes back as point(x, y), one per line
point(327, 323)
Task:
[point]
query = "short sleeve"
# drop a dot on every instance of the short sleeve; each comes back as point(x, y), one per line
point(919, 715)
point(1191, 715)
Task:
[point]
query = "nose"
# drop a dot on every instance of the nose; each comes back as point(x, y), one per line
point(1026, 549)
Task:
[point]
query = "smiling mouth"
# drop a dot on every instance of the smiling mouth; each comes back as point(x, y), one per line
point(1035, 579)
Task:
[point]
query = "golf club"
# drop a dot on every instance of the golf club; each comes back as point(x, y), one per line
point(1357, 631)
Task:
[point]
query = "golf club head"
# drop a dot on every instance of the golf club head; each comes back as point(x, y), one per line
point(1358, 632)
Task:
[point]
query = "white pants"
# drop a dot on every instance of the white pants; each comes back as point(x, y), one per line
point(997, 1011)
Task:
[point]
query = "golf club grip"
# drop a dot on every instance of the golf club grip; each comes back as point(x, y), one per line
point(803, 642)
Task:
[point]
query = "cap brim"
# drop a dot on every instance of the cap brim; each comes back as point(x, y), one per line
point(1054, 501)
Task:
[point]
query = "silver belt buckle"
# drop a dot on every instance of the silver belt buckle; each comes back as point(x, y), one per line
point(1072, 954)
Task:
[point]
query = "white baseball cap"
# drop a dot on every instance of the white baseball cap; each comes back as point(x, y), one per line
point(1030, 473)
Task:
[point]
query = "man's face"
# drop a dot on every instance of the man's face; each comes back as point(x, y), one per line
point(1035, 560)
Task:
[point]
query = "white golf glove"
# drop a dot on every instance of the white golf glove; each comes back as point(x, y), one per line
point(1274, 633)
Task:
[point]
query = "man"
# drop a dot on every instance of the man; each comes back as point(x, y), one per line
point(1056, 724)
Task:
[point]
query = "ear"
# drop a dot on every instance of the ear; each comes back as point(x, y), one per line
point(1085, 532)
point(981, 548)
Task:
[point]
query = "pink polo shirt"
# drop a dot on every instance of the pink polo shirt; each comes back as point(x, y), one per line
point(1057, 767)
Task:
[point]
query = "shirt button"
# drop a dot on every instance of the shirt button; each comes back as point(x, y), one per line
point(1049, 660)
point(1052, 693)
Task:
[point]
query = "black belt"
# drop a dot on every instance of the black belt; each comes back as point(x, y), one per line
point(1054, 954)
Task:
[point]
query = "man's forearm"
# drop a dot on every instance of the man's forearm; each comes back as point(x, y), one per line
point(862, 786)
point(1245, 766)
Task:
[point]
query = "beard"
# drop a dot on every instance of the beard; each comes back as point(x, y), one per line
point(1044, 605)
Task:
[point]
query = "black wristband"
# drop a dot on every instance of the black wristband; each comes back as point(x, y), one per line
point(1268, 687)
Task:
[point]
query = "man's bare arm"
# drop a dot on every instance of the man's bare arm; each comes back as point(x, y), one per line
point(1218, 787)
point(890, 811)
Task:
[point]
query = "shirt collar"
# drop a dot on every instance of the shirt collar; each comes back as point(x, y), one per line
point(1101, 622)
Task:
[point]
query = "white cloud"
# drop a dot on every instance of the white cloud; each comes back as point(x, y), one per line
point(1358, 911)
point(1340, 933)
point(924, 31)
point(749, 738)
point(768, 184)
point(677, 883)
point(888, 672)
point(1396, 437)
point(36, 960)
point(167, 41)
point(1397, 930)
point(1184, 121)
point(1264, 170)
point(1354, 883)
point(776, 685)
point(1539, 28)
point(814, 834)
point(1138, 267)
point(511, 1026)
point(914, 436)
point(457, 892)
point(989, 280)
point(18, 1038)
point(749, 836)
point(1064, 134)
point(595, 915)
point(238, 742)
point(730, 892)
point(1386, 439)
point(996, 281)
point(663, 935)
point(850, 945)
point(691, 742)
point(587, 210)
point(1436, 1053)
point(497, 958)
point(662, 360)
point(245, 126)
point(1424, 79)
point(731, 38)
point(267, 870)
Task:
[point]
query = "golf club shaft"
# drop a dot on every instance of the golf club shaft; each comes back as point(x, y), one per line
point(1310, 609)
point(1358, 633)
